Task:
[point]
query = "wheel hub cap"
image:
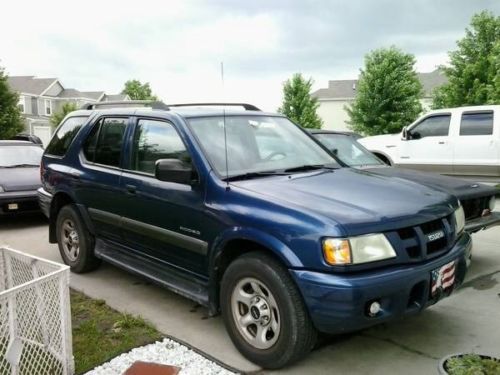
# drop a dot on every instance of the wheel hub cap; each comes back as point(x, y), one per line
point(255, 313)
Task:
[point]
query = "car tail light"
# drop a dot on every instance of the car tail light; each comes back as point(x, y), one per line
point(42, 171)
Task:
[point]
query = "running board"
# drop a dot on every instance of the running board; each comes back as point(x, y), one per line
point(161, 274)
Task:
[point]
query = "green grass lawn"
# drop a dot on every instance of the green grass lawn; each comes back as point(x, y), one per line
point(101, 333)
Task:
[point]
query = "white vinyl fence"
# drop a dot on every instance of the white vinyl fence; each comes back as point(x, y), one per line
point(35, 316)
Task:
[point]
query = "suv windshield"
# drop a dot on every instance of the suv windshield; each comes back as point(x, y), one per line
point(348, 150)
point(20, 156)
point(258, 144)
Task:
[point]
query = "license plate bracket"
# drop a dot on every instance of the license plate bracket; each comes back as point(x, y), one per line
point(12, 206)
point(443, 280)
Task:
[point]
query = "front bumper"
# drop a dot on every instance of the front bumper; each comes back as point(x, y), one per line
point(483, 222)
point(17, 202)
point(45, 200)
point(338, 303)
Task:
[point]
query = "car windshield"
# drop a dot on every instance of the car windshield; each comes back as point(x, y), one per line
point(20, 156)
point(258, 144)
point(348, 150)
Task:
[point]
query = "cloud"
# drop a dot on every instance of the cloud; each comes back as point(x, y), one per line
point(177, 46)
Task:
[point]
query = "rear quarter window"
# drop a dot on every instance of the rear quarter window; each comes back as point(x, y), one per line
point(61, 141)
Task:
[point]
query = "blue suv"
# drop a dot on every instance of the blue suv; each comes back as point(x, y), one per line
point(245, 213)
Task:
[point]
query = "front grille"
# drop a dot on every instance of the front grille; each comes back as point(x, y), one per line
point(473, 208)
point(425, 241)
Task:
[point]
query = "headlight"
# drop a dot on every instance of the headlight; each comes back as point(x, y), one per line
point(356, 250)
point(460, 219)
point(492, 203)
point(1, 189)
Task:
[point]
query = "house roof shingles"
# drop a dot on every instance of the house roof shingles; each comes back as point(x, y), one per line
point(346, 89)
point(30, 84)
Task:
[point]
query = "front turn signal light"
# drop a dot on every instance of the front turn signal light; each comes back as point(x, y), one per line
point(337, 251)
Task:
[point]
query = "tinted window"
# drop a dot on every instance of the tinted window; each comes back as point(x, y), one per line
point(479, 123)
point(104, 144)
point(22, 156)
point(154, 140)
point(65, 134)
point(434, 126)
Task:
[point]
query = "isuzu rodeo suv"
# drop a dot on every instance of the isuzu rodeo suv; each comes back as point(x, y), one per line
point(244, 212)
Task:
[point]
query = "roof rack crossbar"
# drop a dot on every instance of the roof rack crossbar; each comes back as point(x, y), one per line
point(154, 104)
point(246, 106)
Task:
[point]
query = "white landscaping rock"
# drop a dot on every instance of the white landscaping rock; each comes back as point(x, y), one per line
point(166, 352)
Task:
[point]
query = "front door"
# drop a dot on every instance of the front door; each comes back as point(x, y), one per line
point(428, 146)
point(164, 220)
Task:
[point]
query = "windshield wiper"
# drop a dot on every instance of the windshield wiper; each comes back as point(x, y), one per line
point(308, 167)
point(250, 175)
point(20, 166)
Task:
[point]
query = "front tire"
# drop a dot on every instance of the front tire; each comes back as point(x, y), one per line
point(76, 243)
point(264, 313)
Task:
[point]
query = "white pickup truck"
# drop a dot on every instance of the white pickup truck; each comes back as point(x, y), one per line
point(461, 141)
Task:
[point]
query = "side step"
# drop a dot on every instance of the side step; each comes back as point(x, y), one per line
point(161, 274)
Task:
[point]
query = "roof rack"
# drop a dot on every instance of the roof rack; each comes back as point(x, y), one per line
point(154, 104)
point(246, 106)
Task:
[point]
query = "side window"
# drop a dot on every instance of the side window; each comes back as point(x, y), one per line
point(154, 140)
point(61, 141)
point(104, 144)
point(433, 126)
point(478, 123)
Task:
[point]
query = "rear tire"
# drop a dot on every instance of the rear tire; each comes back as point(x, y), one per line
point(264, 313)
point(76, 243)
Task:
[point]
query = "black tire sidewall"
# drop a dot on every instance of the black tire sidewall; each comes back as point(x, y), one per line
point(85, 240)
point(281, 353)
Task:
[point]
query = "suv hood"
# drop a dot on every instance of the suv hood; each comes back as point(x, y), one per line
point(462, 189)
point(20, 179)
point(384, 139)
point(360, 202)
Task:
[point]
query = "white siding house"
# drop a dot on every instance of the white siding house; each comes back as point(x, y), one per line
point(340, 93)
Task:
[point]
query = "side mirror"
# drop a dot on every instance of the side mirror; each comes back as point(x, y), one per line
point(404, 133)
point(174, 170)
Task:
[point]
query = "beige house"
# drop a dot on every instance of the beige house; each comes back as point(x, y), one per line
point(332, 100)
point(39, 98)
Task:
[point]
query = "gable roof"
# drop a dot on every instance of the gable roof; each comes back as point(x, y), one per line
point(116, 97)
point(30, 84)
point(73, 93)
point(346, 89)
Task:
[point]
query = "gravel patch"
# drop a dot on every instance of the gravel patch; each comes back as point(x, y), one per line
point(166, 352)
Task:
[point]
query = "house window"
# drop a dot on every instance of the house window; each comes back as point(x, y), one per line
point(20, 104)
point(48, 107)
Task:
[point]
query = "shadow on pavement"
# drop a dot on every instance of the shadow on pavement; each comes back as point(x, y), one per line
point(23, 221)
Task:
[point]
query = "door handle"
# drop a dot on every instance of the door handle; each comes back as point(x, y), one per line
point(131, 189)
point(442, 142)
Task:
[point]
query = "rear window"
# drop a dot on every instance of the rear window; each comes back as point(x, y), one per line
point(104, 144)
point(20, 156)
point(61, 141)
point(477, 123)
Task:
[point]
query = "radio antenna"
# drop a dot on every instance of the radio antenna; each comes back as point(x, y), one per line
point(224, 124)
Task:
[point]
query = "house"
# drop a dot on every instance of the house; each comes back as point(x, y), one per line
point(39, 98)
point(332, 100)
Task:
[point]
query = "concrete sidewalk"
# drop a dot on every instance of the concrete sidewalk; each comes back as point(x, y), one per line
point(467, 321)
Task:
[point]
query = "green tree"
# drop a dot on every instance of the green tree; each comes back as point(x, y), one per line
point(58, 116)
point(473, 74)
point(298, 104)
point(388, 93)
point(138, 91)
point(11, 121)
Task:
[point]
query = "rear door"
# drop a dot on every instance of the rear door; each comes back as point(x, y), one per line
point(429, 146)
point(476, 146)
point(99, 177)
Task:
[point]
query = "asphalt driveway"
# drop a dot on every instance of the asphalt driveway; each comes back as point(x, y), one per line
point(467, 321)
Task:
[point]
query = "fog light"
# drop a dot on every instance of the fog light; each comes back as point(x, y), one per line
point(374, 308)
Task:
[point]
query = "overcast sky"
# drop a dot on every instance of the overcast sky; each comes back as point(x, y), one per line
point(177, 46)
